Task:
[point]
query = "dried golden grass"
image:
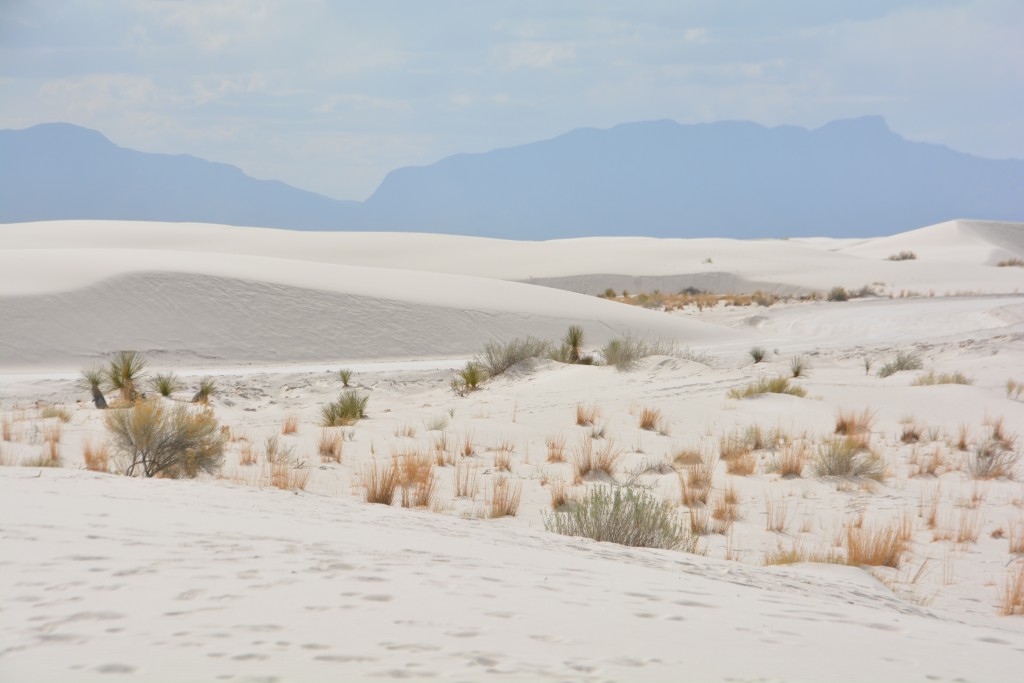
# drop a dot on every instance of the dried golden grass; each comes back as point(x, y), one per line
point(290, 424)
point(587, 415)
point(96, 456)
point(503, 461)
point(286, 476)
point(876, 546)
point(466, 480)
point(560, 494)
point(776, 513)
point(851, 423)
point(590, 460)
point(725, 510)
point(505, 497)
point(700, 521)
point(742, 465)
point(695, 482)
point(1016, 537)
point(246, 454)
point(790, 463)
point(969, 527)
point(55, 411)
point(380, 481)
point(1011, 597)
point(556, 447)
point(416, 478)
point(650, 418)
point(331, 445)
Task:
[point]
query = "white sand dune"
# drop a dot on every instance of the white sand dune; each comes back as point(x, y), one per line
point(229, 578)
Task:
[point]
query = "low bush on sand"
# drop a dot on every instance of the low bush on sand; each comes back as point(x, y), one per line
point(625, 352)
point(903, 256)
point(498, 357)
point(931, 377)
point(170, 442)
point(625, 516)
point(902, 361)
point(768, 385)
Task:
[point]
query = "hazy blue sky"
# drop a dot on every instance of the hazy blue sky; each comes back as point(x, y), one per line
point(329, 96)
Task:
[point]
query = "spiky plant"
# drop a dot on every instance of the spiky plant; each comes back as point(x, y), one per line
point(758, 353)
point(207, 388)
point(472, 376)
point(166, 383)
point(346, 376)
point(95, 377)
point(573, 341)
point(347, 410)
point(125, 371)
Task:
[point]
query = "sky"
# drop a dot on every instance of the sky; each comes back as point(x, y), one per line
point(330, 96)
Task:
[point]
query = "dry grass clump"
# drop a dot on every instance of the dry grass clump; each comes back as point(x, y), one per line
point(969, 528)
point(650, 419)
point(1016, 537)
point(290, 424)
point(590, 460)
point(1014, 389)
point(790, 462)
point(417, 479)
point(437, 424)
point(330, 445)
point(796, 554)
point(848, 457)
point(928, 465)
point(695, 482)
point(52, 434)
point(768, 385)
point(466, 479)
point(346, 411)
point(930, 378)
point(1013, 262)
point(59, 412)
point(556, 447)
point(625, 516)
point(991, 459)
point(725, 510)
point(877, 546)
point(380, 481)
point(170, 442)
point(776, 514)
point(503, 460)
point(1011, 597)
point(96, 457)
point(5, 428)
point(911, 432)
point(288, 477)
point(560, 494)
point(247, 454)
point(505, 497)
point(902, 361)
point(758, 353)
point(587, 415)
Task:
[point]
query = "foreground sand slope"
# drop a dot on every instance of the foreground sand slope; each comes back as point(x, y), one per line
point(178, 585)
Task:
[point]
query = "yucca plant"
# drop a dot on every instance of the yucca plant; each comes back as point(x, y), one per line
point(799, 366)
point(346, 411)
point(166, 383)
point(207, 388)
point(95, 377)
point(125, 371)
point(346, 376)
point(573, 341)
point(758, 353)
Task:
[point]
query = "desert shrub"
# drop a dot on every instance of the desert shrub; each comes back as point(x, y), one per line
point(1011, 262)
point(768, 385)
point(902, 361)
point(847, 457)
point(207, 388)
point(124, 372)
point(347, 410)
point(609, 293)
point(758, 353)
point(930, 378)
point(59, 412)
point(799, 366)
point(624, 516)
point(166, 383)
point(627, 351)
point(172, 442)
point(94, 378)
point(838, 294)
point(346, 376)
point(498, 357)
point(903, 256)
point(992, 459)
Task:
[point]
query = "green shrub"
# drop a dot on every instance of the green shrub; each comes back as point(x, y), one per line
point(758, 353)
point(902, 361)
point(346, 411)
point(172, 442)
point(768, 385)
point(799, 366)
point(846, 457)
point(624, 516)
point(498, 357)
point(346, 376)
point(626, 351)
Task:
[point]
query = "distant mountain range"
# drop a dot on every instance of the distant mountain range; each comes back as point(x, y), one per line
point(851, 177)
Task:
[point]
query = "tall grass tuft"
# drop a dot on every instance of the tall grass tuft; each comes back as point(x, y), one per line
point(346, 376)
point(587, 459)
point(346, 411)
point(331, 445)
point(758, 353)
point(875, 546)
point(380, 482)
point(800, 366)
point(505, 496)
point(847, 457)
point(1011, 597)
point(166, 383)
point(625, 516)
point(992, 459)
point(96, 457)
